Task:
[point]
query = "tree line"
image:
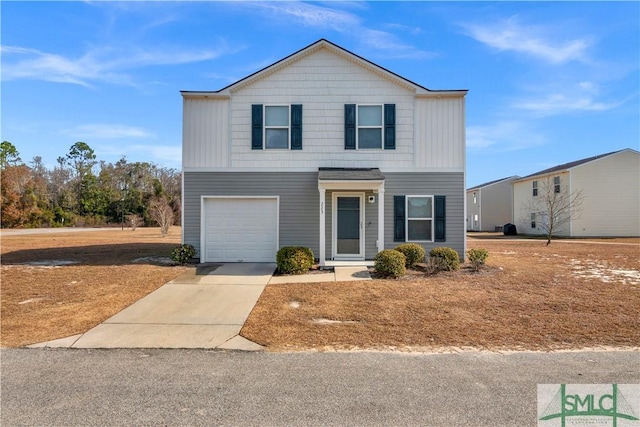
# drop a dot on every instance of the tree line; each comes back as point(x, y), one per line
point(82, 191)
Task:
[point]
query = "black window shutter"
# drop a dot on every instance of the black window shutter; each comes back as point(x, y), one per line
point(389, 126)
point(398, 219)
point(440, 218)
point(350, 126)
point(256, 127)
point(296, 126)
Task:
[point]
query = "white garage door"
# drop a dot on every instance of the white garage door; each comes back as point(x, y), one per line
point(240, 229)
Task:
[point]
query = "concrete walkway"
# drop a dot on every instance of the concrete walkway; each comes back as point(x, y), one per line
point(205, 308)
point(339, 274)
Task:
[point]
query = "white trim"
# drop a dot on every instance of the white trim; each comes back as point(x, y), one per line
point(351, 185)
point(380, 242)
point(182, 208)
point(334, 227)
point(406, 218)
point(203, 220)
point(315, 169)
point(323, 243)
point(264, 126)
point(381, 127)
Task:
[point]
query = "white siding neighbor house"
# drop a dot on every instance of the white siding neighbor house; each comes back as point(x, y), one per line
point(605, 189)
point(490, 205)
point(322, 149)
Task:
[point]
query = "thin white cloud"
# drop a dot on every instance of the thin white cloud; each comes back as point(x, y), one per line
point(504, 136)
point(97, 65)
point(107, 131)
point(559, 103)
point(311, 15)
point(580, 97)
point(326, 18)
point(536, 41)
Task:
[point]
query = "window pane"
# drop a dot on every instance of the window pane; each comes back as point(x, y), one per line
point(419, 230)
point(277, 116)
point(370, 115)
point(277, 138)
point(419, 207)
point(369, 138)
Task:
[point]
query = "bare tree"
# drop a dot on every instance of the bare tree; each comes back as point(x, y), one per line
point(134, 221)
point(162, 213)
point(553, 205)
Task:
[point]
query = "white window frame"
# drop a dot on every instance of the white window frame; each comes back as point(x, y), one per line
point(533, 220)
point(265, 127)
point(534, 185)
point(556, 187)
point(407, 219)
point(381, 127)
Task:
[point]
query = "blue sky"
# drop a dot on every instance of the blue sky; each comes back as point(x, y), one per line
point(549, 82)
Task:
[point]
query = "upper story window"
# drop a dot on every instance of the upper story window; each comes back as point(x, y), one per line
point(276, 126)
point(419, 218)
point(556, 184)
point(535, 188)
point(475, 199)
point(369, 126)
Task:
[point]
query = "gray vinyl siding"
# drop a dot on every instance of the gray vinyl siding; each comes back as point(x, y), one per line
point(450, 185)
point(299, 205)
point(298, 191)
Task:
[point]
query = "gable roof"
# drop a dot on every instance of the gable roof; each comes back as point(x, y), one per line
point(567, 166)
point(337, 50)
point(486, 184)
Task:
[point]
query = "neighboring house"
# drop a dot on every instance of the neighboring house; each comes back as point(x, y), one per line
point(322, 149)
point(608, 196)
point(490, 205)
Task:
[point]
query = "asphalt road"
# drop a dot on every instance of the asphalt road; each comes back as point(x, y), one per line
point(195, 387)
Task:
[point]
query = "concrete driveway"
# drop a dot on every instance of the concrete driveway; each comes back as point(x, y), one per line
point(205, 308)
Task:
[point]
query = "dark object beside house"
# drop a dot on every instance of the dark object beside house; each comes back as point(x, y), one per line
point(509, 230)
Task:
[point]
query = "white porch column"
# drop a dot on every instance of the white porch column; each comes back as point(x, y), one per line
point(322, 256)
point(380, 219)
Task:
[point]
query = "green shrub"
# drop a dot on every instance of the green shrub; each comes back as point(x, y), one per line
point(413, 252)
point(183, 254)
point(390, 263)
point(477, 257)
point(447, 256)
point(294, 260)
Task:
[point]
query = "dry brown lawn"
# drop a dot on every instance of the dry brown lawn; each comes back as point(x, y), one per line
point(57, 285)
point(571, 294)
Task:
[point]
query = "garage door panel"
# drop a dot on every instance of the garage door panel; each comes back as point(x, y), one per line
point(240, 229)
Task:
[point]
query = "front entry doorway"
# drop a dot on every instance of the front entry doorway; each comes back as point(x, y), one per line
point(348, 220)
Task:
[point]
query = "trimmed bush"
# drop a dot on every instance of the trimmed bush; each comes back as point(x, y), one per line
point(477, 257)
point(390, 263)
point(447, 258)
point(183, 254)
point(294, 260)
point(413, 252)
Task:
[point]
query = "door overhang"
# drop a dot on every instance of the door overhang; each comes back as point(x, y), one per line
point(350, 180)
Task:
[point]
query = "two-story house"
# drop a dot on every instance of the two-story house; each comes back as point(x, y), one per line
point(327, 150)
point(596, 196)
point(490, 205)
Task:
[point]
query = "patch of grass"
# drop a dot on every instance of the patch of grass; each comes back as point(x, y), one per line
point(46, 302)
point(529, 296)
